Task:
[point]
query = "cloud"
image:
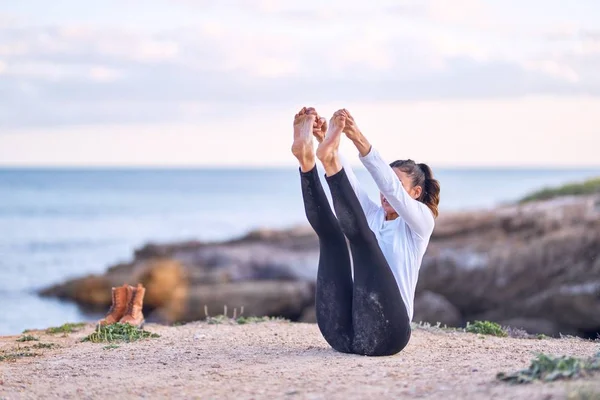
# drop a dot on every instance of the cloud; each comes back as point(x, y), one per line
point(264, 54)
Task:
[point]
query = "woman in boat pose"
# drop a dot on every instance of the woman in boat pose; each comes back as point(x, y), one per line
point(364, 307)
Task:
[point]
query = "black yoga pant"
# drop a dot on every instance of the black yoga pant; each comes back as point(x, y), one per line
point(366, 316)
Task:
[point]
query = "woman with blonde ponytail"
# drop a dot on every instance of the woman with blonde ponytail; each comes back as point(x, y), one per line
point(364, 306)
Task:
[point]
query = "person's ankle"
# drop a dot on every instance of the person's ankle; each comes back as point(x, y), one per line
point(332, 166)
point(307, 165)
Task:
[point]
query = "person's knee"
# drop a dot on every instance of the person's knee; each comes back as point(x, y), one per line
point(382, 345)
point(399, 344)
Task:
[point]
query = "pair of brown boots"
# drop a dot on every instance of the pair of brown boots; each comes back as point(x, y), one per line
point(126, 308)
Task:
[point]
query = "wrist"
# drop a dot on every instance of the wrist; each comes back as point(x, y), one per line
point(362, 144)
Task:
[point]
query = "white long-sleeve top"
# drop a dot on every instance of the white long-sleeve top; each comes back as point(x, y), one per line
point(403, 240)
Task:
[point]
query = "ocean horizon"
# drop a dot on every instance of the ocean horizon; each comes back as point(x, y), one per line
point(63, 222)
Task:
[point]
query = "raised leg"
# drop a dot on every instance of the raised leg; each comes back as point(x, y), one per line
point(380, 320)
point(334, 290)
point(334, 277)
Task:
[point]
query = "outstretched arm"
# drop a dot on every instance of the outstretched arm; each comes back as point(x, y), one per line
point(416, 214)
point(368, 205)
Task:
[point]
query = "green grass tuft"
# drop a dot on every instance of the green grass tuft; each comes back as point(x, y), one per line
point(546, 368)
point(486, 328)
point(437, 328)
point(111, 347)
point(44, 345)
point(223, 319)
point(572, 189)
point(27, 338)
point(66, 328)
point(254, 320)
point(17, 355)
point(118, 333)
point(541, 336)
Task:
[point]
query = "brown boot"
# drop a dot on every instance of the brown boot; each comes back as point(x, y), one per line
point(134, 315)
point(118, 307)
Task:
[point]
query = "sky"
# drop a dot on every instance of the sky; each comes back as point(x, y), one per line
point(217, 83)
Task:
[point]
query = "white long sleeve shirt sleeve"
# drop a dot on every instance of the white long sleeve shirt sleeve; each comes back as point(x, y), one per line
point(404, 240)
point(369, 206)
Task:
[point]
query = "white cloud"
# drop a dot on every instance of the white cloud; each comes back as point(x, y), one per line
point(103, 74)
point(7, 21)
point(554, 69)
point(471, 13)
point(277, 52)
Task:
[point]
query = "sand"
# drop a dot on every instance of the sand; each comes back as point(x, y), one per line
point(280, 360)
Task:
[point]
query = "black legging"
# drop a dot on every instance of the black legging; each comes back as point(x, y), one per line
point(367, 316)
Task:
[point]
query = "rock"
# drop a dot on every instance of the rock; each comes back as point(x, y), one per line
point(434, 308)
point(537, 262)
point(161, 278)
point(90, 291)
point(287, 299)
point(309, 315)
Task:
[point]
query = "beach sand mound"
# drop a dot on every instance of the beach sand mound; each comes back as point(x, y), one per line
point(278, 359)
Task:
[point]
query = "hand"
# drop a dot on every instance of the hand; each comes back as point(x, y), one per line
point(319, 126)
point(351, 129)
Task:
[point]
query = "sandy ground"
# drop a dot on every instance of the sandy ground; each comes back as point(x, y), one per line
point(280, 360)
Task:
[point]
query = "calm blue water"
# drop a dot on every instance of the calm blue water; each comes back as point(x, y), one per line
point(57, 224)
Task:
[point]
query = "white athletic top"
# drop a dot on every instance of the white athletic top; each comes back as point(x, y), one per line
point(403, 240)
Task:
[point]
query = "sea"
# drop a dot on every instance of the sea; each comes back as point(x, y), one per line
point(57, 224)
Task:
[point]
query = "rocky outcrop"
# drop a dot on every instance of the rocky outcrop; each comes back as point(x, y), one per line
point(535, 262)
point(435, 308)
point(535, 265)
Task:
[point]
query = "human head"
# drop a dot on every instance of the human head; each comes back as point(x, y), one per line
point(419, 182)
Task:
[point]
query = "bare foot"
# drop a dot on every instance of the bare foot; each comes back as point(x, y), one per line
point(319, 126)
point(302, 148)
point(327, 151)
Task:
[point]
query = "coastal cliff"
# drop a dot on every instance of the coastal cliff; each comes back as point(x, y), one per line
point(533, 265)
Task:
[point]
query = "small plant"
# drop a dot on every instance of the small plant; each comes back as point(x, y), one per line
point(111, 347)
point(517, 333)
point(118, 333)
point(223, 319)
point(17, 355)
point(254, 320)
point(547, 368)
point(27, 338)
point(219, 319)
point(438, 327)
point(44, 345)
point(486, 328)
point(541, 336)
point(66, 328)
point(241, 320)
